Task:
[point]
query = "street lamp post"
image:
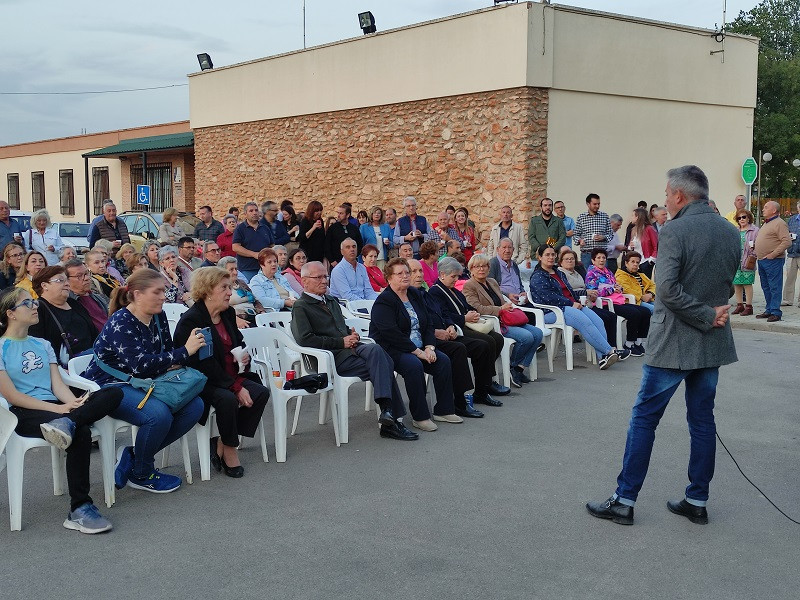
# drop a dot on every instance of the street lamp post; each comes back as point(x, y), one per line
point(763, 158)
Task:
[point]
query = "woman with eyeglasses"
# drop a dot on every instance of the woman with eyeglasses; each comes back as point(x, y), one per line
point(63, 321)
point(31, 265)
point(175, 291)
point(13, 257)
point(242, 299)
point(46, 408)
point(744, 279)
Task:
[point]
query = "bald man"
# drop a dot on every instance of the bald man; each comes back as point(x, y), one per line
point(771, 243)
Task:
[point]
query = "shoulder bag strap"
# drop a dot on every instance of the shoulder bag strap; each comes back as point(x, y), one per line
point(44, 303)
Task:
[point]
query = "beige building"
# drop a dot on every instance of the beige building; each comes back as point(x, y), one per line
point(499, 106)
point(54, 174)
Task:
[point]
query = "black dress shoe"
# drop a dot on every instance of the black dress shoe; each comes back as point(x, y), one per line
point(386, 418)
point(485, 399)
point(216, 460)
point(611, 509)
point(398, 431)
point(499, 390)
point(234, 472)
point(696, 514)
point(468, 413)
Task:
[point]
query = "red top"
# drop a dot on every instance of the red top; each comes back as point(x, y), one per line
point(225, 243)
point(230, 365)
point(564, 288)
point(467, 236)
point(649, 242)
point(376, 278)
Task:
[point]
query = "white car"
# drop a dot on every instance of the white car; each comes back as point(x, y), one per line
point(74, 234)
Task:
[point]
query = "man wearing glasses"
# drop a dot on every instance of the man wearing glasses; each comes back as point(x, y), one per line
point(186, 253)
point(211, 254)
point(317, 322)
point(80, 289)
point(280, 234)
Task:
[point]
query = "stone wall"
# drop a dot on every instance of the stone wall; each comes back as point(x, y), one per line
point(480, 150)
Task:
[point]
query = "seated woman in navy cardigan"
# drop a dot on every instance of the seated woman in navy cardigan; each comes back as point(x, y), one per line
point(400, 324)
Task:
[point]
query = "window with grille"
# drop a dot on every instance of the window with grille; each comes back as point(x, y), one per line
point(13, 191)
point(100, 187)
point(159, 178)
point(66, 191)
point(37, 186)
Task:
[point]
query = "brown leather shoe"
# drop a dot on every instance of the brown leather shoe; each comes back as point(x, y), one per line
point(773, 318)
point(763, 316)
point(739, 308)
point(748, 310)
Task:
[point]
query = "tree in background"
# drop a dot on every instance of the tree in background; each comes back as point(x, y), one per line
point(777, 114)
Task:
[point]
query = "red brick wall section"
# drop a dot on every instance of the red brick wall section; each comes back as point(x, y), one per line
point(182, 193)
point(480, 150)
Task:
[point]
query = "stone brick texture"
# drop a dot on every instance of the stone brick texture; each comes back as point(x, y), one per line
point(481, 151)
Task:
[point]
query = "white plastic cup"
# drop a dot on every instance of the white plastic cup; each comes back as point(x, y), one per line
point(583, 300)
point(794, 236)
point(238, 353)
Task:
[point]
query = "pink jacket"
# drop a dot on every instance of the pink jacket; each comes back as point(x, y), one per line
point(749, 236)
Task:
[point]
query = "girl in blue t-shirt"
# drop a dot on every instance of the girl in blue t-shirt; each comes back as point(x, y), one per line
point(45, 407)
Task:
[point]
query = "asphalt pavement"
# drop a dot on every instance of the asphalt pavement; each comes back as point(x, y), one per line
point(493, 508)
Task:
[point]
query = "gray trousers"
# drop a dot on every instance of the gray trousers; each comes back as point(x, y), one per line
point(792, 267)
point(371, 362)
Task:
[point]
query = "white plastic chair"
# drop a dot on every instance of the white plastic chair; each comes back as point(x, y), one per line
point(267, 347)
point(559, 328)
point(361, 308)
point(505, 352)
point(15, 448)
point(546, 332)
point(173, 312)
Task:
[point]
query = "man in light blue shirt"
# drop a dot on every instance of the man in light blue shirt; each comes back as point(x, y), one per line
point(569, 223)
point(349, 279)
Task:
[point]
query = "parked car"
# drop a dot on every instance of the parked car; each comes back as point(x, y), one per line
point(143, 226)
point(74, 234)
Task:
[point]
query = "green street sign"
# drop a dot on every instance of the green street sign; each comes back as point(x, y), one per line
point(749, 171)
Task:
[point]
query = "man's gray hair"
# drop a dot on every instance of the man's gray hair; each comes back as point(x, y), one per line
point(690, 180)
point(277, 247)
point(166, 251)
point(615, 218)
point(409, 198)
point(505, 240)
point(344, 241)
point(450, 266)
point(244, 208)
point(206, 244)
point(658, 209)
point(225, 261)
point(305, 270)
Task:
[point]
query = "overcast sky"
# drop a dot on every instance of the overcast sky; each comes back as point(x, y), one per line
point(58, 46)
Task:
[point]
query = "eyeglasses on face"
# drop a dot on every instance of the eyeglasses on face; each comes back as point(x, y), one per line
point(212, 250)
point(81, 276)
point(27, 303)
point(16, 255)
point(326, 277)
point(61, 280)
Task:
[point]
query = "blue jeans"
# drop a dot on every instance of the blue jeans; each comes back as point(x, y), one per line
point(527, 338)
point(586, 258)
point(657, 387)
point(158, 427)
point(770, 273)
point(588, 324)
point(649, 306)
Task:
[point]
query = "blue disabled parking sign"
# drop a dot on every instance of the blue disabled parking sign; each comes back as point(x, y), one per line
point(143, 194)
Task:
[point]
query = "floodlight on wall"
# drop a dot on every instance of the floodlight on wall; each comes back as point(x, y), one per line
point(367, 22)
point(205, 62)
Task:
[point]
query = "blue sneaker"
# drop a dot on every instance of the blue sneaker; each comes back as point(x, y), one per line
point(59, 432)
point(124, 466)
point(87, 519)
point(157, 482)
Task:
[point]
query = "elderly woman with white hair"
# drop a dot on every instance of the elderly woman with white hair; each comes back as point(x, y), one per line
point(43, 237)
point(66, 253)
point(242, 299)
point(173, 273)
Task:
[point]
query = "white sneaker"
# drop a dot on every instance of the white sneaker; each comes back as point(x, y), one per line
point(426, 425)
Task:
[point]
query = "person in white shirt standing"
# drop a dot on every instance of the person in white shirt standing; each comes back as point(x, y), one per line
point(42, 237)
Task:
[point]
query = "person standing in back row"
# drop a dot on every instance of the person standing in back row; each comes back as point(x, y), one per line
point(771, 243)
point(690, 339)
point(249, 238)
point(592, 229)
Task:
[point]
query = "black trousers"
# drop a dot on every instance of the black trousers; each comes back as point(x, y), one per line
point(234, 420)
point(494, 339)
point(482, 356)
point(370, 361)
point(99, 405)
point(609, 324)
point(638, 320)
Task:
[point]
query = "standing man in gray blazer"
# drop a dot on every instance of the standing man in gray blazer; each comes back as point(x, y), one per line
point(690, 338)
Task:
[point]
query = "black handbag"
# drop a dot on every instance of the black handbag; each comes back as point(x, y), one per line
point(310, 383)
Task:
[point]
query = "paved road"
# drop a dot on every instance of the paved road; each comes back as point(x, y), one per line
point(488, 509)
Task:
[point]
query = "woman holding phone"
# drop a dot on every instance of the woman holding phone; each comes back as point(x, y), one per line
point(238, 398)
point(311, 233)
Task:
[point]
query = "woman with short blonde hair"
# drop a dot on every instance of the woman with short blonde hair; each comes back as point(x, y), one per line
point(43, 237)
point(168, 232)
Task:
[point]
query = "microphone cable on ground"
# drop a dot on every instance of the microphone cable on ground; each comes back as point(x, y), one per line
point(753, 484)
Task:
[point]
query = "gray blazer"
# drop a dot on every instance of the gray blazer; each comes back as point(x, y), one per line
point(698, 255)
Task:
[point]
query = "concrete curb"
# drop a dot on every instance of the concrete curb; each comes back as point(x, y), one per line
point(761, 325)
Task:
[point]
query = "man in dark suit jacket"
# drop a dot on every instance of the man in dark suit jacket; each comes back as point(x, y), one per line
point(317, 322)
point(339, 232)
point(690, 338)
